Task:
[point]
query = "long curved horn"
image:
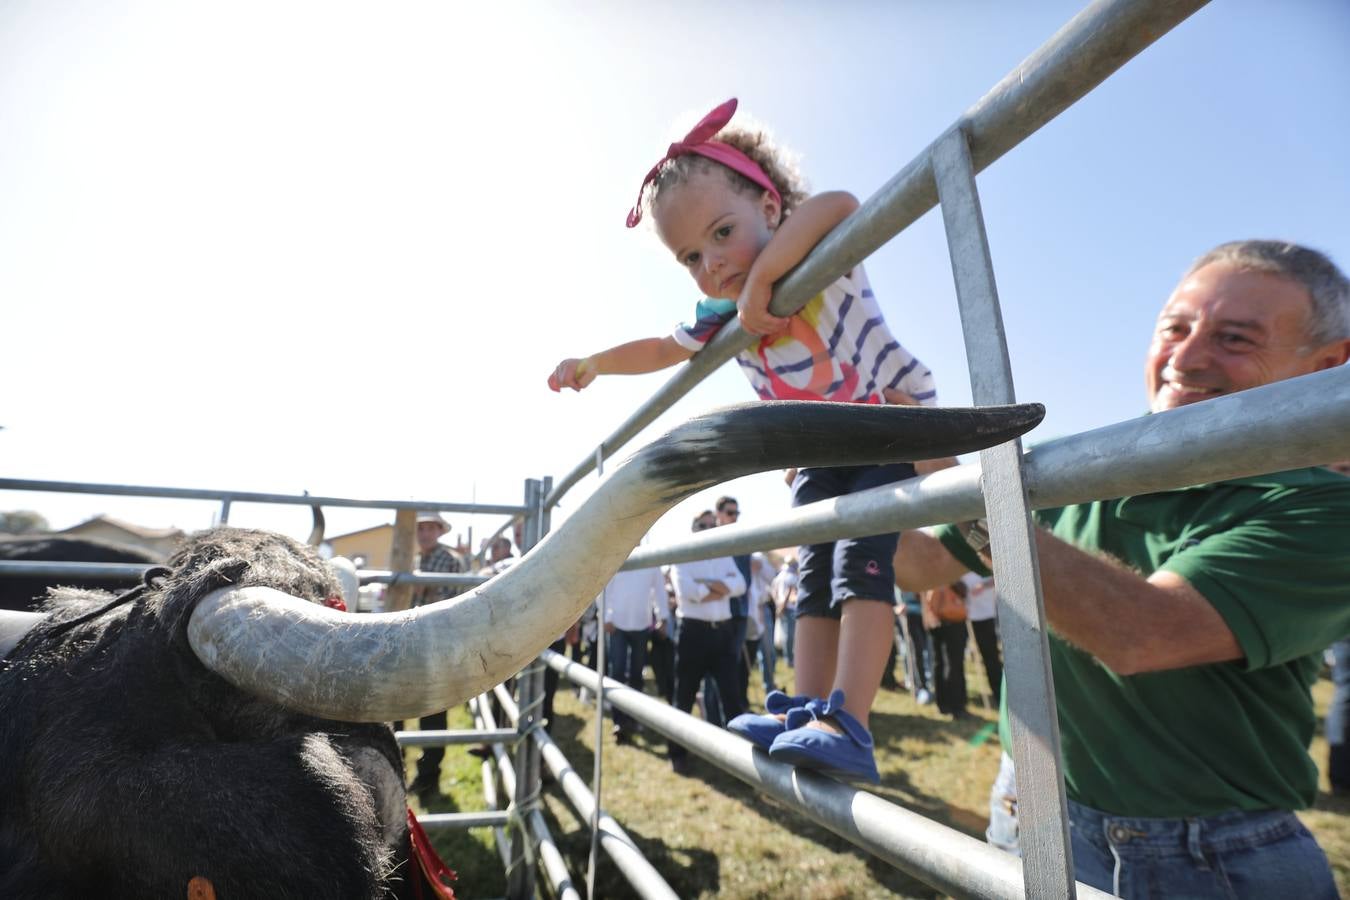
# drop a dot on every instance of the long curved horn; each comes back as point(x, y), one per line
point(405, 664)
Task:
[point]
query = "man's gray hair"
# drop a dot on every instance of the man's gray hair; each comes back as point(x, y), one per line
point(1325, 283)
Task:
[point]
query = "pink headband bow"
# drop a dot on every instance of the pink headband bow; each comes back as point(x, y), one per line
point(699, 140)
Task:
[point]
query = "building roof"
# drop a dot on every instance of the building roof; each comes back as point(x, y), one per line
point(348, 534)
point(140, 531)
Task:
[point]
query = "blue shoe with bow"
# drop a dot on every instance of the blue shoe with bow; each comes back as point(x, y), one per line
point(849, 756)
point(761, 730)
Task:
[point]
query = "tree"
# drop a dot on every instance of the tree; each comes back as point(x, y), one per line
point(23, 521)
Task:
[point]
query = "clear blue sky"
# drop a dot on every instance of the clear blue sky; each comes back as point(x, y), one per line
point(337, 247)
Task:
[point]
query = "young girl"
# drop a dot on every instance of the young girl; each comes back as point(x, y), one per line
point(735, 216)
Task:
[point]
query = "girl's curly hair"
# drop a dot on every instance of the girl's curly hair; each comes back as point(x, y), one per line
point(755, 143)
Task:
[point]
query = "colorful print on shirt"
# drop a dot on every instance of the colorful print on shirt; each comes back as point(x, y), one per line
point(837, 347)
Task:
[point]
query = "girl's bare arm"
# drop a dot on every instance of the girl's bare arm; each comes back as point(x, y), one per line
point(632, 358)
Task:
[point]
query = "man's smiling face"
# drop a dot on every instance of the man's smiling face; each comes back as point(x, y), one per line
point(1227, 329)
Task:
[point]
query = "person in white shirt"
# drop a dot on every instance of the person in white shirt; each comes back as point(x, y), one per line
point(784, 593)
point(661, 651)
point(762, 574)
point(631, 601)
point(707, 643)
point(981, 608)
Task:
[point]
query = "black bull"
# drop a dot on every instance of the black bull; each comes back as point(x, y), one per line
point(128, 767)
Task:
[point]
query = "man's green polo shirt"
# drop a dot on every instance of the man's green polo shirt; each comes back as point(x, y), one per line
point(1272, 554)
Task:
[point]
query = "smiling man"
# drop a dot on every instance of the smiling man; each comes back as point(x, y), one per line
point(1187, 626)
point(1248, 313)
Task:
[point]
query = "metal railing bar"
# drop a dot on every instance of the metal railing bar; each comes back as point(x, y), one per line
point(19, 568)
point(555, 867)
point(487, 772)
point(1290, 424)
point(122, 490)
point(632, 864)
point(422, 579)
point(529, 682)
point(942, 857)
point(489, 818)
point(706, 361)
point(442, 738)
point(1042, 810)
point(1082, 54)
point(132, 572)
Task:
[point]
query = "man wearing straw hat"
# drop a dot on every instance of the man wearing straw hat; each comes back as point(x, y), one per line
point(1187, 625)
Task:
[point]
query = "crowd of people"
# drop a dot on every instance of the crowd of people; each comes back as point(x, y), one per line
point(938, 626)
point(705, 628)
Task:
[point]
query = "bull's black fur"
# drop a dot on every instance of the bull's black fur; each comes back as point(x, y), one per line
point(127, 768)
point(27, 592)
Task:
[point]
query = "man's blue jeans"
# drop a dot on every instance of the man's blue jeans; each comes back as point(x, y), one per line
point(715, 705)
point(768, 653)
point(1257, 855)
point(627, 656)
point(790, 635)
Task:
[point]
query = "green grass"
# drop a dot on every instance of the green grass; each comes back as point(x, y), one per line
point(712, 836)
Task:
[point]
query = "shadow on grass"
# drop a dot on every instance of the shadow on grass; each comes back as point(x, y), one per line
point(688, 877)
point(906, 739)
point(470, 853)
point(688, 869)
point(889, 729)
point(896, 735)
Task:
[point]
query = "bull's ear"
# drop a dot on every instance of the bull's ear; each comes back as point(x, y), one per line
point(345, 571)
point(225, 572)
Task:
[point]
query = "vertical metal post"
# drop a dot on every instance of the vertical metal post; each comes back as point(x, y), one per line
point(224, 512)
point(530, 694)
point(600, 664)
point(1042, 812)
point(545, 511)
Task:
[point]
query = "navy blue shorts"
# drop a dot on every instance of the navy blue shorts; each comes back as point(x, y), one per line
point(832, 573)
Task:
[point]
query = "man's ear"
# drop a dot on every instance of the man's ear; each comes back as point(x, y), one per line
point(772, 209)
point(1332, 354)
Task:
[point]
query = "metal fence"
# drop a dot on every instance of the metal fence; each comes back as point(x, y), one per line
point(1281, 426)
